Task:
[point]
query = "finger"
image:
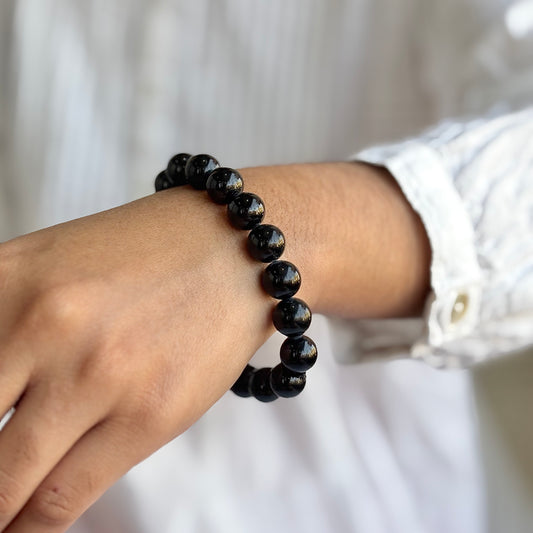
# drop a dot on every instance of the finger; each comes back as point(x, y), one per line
point(15, 372)
point(44, 427)
point(96, 462)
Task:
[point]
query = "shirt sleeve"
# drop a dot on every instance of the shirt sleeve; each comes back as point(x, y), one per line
point(471, 183)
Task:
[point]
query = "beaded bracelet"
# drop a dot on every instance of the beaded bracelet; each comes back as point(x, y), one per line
point(280, 279)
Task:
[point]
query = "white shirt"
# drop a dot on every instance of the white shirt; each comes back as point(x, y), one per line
point(99, 94)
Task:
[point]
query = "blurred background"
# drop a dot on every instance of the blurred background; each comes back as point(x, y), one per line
point(96, 95)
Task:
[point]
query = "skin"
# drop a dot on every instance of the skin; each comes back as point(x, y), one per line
point(103, 322)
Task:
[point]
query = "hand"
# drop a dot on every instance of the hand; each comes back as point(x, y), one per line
point(119, 330)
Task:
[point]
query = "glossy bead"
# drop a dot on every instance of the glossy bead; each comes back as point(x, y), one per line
point(176, 169)
point(291, 317)
point(223, 185)
point(260, 385)
point(246, 211)
point(242, 386)
point(162, 181)
point(298, 354)
point(285, 382)
point(266, 243)
point(198, 168)
point(281, 279)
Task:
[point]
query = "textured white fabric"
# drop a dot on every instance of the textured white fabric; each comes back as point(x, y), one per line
point(477, 212)
point(96, 95)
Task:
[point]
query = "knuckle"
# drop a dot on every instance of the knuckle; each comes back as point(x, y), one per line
point(10, 492)
point(146, 412)
point(7, 505)
point(105, 368)
point(54, 506)
point(27, 448)
point(137, 415)
point(59, 304)
point(53, 309)
point(154, 409)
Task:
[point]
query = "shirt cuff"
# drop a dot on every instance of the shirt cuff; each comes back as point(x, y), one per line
point(452, 307)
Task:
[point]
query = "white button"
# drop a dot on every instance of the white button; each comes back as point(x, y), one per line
point(460, 307)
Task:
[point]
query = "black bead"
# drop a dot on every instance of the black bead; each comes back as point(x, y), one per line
point(246, 211)
point(162, 181)
point(198, 168)
point(176, 169)
point(298, 354)
point(281, 279)
point(266, 243)
point(242, 386)
point(285, 382)
point(291, 317)
point(223, 185)
point(260, 385)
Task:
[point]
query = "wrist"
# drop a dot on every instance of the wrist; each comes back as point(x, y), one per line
point(361, 249)
point(286, 191)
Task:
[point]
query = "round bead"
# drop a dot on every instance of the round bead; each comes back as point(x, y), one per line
point(266, 243)
point(260, 385)
point(298, 354)
point(223, 185)
point(162, 181)
point(246, 211)
point(285, 382)
point(242, 386)
point(198, 168)
point(281, 279)
point(176, 169)
point(291, 317)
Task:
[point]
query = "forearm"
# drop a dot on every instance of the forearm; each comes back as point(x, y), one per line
point(361, 249)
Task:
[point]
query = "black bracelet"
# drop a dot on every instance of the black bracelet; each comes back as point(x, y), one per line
point(280, 279)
